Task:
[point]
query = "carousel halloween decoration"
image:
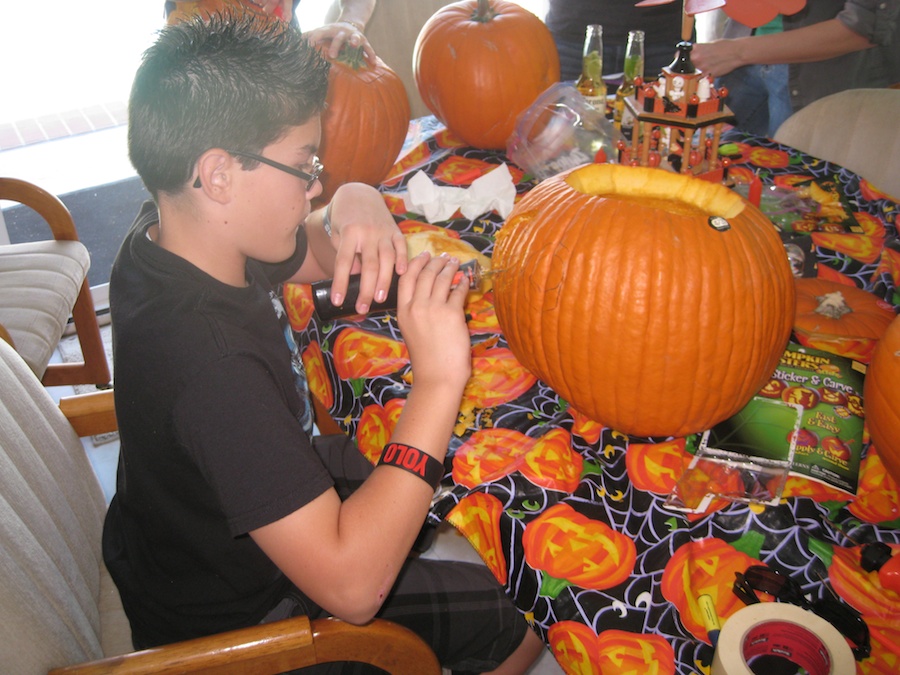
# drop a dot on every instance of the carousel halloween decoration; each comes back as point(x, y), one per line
point(678, 117)
point(678, 121)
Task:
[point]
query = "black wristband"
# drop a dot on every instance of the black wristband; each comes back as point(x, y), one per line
point(413, 460)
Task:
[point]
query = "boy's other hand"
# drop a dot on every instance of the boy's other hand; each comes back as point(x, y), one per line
point(367, 241)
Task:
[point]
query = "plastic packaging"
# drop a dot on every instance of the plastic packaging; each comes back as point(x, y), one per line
point(560, 131)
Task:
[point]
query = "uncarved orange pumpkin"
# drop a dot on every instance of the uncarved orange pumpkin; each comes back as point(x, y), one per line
point(479, 63)
point(616, 291)
point(841, 319)
point(364, 124)
point(881, 396)
point(186, 10)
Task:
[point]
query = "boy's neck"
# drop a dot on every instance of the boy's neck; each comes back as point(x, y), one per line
point(197, 238)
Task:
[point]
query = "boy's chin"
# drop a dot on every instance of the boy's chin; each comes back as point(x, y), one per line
point(280, 255)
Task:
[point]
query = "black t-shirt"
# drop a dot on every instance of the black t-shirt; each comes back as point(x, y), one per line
point(567, 19)
point(211, 445)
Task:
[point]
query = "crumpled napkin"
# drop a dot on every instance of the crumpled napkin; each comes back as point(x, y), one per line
point(494, 191)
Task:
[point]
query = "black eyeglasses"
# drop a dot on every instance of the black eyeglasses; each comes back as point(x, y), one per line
point(842, 616)
point(310, 178)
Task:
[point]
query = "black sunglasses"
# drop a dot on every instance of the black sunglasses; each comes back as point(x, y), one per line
point(842, 616)
point(310, 178)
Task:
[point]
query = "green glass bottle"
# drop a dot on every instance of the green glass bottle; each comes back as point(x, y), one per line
point(633, 69)
point(590, 84)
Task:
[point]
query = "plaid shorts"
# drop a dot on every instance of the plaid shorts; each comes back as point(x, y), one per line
point(458, 608)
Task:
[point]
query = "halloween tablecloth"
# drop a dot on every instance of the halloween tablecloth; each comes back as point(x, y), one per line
point(569, 514)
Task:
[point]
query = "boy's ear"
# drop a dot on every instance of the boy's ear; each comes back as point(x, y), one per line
point(214, 169)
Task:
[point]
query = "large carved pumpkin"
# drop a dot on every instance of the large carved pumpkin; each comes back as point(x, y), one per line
point(617, 291)
point(881, 394)
point(479, 63)
point(364, 124)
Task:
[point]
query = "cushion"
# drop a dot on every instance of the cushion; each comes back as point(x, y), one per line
point(39, 282)
point(857, 129)
point(51, 519)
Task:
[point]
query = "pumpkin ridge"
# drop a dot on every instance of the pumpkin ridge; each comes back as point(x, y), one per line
point(579, 276)
point(569, 277)
point(534, 342)
point(545, 282)
point(757, 287)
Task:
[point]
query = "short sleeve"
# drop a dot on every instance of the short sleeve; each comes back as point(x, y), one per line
point(876, 20)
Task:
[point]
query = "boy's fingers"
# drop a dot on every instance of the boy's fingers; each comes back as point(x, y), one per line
point(401, 252)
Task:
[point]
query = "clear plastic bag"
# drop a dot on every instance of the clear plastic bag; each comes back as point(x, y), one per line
point(560, 131)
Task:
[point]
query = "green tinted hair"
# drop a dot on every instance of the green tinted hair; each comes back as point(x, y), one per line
point(238, 81)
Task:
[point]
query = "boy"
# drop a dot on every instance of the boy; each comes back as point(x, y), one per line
point(226, 514)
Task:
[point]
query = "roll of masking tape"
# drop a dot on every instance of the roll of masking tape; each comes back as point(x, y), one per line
point(779, 631)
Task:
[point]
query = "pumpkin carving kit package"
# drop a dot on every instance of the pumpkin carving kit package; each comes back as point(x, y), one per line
point(807, 420)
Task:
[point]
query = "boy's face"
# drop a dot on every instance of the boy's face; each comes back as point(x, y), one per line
point(273, 204)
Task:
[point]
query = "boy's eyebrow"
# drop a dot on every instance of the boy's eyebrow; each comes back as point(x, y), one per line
point(309, 149)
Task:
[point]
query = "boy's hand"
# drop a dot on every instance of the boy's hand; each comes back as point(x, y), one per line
point(367, 241)
point(431, 314)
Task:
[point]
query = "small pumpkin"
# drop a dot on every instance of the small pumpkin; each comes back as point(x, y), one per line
point(617, 291)
point(881, 393)
point(187, 10)
point(479, 63)
point(365, 122)
point(840, 319)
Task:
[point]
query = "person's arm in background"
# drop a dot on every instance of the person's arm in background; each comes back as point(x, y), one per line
point(817, 42)
point(349, 27)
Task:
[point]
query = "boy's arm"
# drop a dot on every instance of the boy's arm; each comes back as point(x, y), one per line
point(346, 556)
point(364, 239)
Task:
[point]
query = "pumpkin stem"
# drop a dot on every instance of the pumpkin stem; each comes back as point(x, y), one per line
point(832, 305)
point(352, 56)
point(484, 12)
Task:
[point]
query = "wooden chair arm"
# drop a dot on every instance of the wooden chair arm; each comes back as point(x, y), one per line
point(90, 414)
point(47, 205)
point(267, 648)
point(277, 647)
point(387, 645)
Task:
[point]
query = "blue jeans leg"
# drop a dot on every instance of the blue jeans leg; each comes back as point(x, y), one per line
point(779, 96)
point(758, 96)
